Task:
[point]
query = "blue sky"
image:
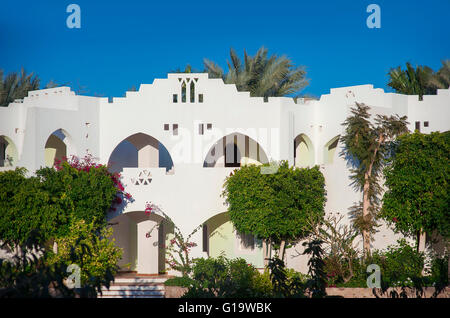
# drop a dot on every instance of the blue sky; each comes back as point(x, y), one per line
point(125, 43)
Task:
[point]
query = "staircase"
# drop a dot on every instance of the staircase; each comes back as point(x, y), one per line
point(134, 286)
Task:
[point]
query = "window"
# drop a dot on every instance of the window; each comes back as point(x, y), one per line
point(192, 97)
point(200, 98)
point(175, 98)
point(418, 125)
point(183, 92)
point(209, 126)
point(425, 124)
point(200, 129)
point(166, 126)
point(175, 129)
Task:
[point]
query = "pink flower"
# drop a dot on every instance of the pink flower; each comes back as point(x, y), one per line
point(394, 219)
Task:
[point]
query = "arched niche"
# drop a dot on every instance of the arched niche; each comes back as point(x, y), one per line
point(235, 150)
point(329, 150)
point(303, 151)
point(140, 151)
point(59, 145)
point(8, 152)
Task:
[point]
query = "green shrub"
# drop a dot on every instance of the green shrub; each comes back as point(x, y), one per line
point(438, 272)
point(221, 277)
point(95, 253)
point(399, 264)
point(182, 281)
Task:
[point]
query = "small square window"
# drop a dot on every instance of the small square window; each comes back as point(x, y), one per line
point(166, 126)
point(209, 126)
point(175, 98)
point(175, 129)
point(425, 124)
point(200, 98)
point(200, 129)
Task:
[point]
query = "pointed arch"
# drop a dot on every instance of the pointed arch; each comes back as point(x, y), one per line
point(329, 150)
point(234, 150)
point(9, 156)
point(140, 151)
point(59, 145)
point(303, 151)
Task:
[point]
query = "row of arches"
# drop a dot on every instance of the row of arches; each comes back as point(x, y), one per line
point(142, 150)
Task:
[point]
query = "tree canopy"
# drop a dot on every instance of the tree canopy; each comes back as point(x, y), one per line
point(275, 207)
point(417, 181)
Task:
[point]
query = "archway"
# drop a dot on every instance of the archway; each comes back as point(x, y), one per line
point(234, 150)
point(59, 145)
point(140, 151)
point(8, 152)
point(303, 151)
point(330, 150)
point(143, 239)
point(219, 237)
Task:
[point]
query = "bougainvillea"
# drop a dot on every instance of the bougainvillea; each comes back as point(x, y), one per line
point(178, 250)
point(88, 164)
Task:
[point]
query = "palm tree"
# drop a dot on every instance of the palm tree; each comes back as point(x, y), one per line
point(16, 86)
point(419, 81)
point(441, 79)
point(261, 75)
point(411, 81)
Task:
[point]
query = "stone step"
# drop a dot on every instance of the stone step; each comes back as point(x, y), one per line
point(133, 287)
point(129, 293)
point(131, 296)
point(134, 280)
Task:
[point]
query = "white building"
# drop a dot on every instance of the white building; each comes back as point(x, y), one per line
point(177, 139)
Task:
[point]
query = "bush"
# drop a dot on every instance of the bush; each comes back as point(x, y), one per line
point(182, 281)
point(400, 265)
point(93, 251)
point(221, 277)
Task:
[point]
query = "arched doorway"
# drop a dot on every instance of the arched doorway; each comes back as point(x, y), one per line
point(303, 151)
point(234, 150)
point(140, 151)
point(59, 145)
point(221, 238)
point(143, 239)
point(8, 152)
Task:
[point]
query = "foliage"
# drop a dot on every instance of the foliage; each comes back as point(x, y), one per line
point(261, 75)
point(275, 207)
point(417, 180)
point(317, 283)
point(25, 207)
point(87, 190)
point(421, 80)
point(438, 271)
point(285, 283)
point(222, 278)
point(366, 145)
point(17, 85)
point(340, 253)
point(183, 281)
point(179, 247)
point(95, 252)
point(29, 275)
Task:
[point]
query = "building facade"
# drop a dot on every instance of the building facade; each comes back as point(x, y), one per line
point(176, 140)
